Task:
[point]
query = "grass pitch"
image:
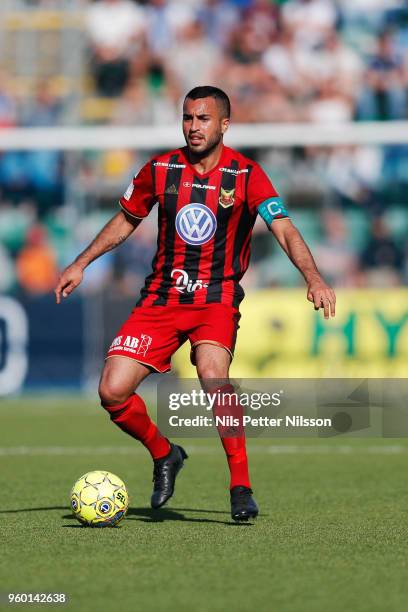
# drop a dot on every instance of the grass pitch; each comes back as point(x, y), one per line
point(332, 533)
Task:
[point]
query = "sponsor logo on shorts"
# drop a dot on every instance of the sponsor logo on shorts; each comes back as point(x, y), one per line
point(131, 344)
point(196, 224)
point(184, 284)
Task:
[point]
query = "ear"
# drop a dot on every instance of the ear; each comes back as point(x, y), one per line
point(224, 125)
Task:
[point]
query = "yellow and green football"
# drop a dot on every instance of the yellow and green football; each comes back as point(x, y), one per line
point(99, 499)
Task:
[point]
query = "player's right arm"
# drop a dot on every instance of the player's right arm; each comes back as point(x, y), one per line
point(112, 235)
point(135, 204)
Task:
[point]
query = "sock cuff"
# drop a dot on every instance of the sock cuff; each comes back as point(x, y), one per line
point(226, 388)
point(134, 401)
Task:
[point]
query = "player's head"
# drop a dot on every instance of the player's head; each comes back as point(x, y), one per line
point(206, 115)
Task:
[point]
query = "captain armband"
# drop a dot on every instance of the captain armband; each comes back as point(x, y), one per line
point(272, 209)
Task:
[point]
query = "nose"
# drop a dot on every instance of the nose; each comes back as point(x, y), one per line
point(194, 124)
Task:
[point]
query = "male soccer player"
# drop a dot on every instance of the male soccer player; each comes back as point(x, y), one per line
point(208, 197)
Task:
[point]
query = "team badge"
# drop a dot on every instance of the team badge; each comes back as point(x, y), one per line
point(227, 197)
point(196, 224)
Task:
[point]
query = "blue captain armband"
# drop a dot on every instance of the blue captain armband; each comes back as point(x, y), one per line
point(272, 209)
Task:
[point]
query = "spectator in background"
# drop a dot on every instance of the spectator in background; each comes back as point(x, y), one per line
point(280, 59)
point(36, 265)
point(332, 104)
point(116, 30)
point(44, 168)
point(192, 57)
point(382, 259)
point(331, 59)
point(310, 20)
point(218, 18)
point(383, 95)
point(8, 104)
point(44, 109)
point(333, 253)
point(133, 108)
point(164, 19)
point(354, 172)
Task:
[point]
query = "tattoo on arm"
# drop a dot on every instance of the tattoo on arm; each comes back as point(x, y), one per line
point(116, 231)
point(119, 241)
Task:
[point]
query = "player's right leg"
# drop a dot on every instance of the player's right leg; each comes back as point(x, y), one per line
point(144, 344)
point(120, 378)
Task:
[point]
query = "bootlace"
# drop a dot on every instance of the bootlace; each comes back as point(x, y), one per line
point(244, 493)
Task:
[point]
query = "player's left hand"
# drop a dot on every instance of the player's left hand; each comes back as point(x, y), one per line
point(322, 296)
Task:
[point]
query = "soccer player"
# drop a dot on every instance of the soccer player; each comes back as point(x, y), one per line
point(209, 196)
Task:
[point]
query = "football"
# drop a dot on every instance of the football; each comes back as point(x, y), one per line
point(99, 499)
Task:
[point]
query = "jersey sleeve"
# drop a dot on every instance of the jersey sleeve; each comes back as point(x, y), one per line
point(139, 197)
point(263, 197)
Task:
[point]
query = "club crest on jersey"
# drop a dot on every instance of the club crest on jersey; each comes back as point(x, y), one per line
point(227, 197)
point(196, 224)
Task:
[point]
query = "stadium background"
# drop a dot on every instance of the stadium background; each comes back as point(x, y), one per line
point(111, 64)
point(88, 91)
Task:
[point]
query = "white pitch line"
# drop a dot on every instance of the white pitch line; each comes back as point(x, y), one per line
point(389, 449)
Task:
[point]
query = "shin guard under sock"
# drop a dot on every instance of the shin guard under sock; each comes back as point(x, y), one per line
point(131, 416)
point(232, 436)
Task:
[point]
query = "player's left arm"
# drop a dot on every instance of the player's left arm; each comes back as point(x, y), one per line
point(291, 241)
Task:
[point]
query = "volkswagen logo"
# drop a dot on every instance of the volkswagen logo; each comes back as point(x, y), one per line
point(196, 224)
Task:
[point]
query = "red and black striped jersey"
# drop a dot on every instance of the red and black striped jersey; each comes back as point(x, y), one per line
point(205, 225)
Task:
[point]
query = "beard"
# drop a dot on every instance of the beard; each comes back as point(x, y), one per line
point(205, 148)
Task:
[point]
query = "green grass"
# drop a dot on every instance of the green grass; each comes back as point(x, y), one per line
point(332, 534)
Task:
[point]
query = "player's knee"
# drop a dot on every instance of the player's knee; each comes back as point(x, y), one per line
point(112, 394)
point(212, 371)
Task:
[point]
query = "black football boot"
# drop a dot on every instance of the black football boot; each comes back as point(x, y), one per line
point(243, 505)
point(164, 475)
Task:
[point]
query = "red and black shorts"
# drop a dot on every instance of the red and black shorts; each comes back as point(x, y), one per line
point(152, 334)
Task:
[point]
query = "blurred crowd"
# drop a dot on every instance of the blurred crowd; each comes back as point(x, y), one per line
point(279, 61)
point(294, 60)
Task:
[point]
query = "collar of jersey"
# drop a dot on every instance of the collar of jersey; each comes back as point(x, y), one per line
point(221, 162)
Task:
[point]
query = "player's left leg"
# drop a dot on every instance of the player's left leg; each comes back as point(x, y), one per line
point(213, 363)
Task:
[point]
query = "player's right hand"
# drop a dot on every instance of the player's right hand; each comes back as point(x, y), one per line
point(68, 281)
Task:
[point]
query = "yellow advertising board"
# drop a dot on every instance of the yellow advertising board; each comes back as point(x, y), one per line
point(282, 336)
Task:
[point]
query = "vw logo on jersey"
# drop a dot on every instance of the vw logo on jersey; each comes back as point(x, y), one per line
point(196, 224)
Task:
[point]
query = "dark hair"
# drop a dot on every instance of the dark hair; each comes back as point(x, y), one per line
point(207, 91)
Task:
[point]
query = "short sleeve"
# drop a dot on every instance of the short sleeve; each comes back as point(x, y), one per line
point(263, 197)
point(139, 197)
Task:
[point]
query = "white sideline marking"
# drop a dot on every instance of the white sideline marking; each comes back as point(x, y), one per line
point(390, 449)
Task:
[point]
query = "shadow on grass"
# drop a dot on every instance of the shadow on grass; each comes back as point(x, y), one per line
point(33, 509)
point(146, 515)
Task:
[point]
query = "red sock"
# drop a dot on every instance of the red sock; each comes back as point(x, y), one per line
point(132, 417)
point(233, 438)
